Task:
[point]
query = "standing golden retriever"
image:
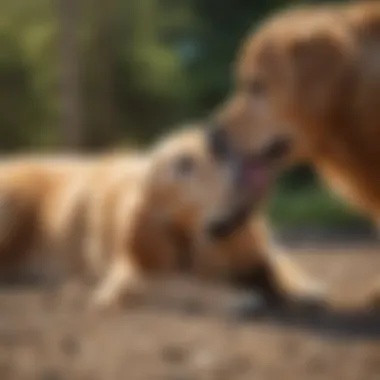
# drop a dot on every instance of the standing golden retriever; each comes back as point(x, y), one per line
point(308, 89)
point(127, 218)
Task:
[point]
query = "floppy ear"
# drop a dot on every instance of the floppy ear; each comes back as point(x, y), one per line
point(150, 239)
point(141, 245)
point(319, 63)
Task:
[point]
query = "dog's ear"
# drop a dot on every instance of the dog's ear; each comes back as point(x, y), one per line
point(150, 238)
point(319, 64)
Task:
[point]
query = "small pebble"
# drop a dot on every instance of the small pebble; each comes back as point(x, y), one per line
point(70, 346)
point(174, 354)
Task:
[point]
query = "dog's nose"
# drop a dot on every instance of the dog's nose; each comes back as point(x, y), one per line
point(218, 143)
point(277, 149)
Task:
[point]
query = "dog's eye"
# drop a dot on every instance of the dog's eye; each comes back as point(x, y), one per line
point(256, 87)
point(185, 165)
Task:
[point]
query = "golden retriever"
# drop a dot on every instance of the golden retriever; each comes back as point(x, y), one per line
point(308, 90)
point(127, 218)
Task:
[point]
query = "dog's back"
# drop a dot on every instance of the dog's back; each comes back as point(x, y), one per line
point(44, 207)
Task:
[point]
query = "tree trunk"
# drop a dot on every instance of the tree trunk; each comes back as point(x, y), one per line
point(102, 113)
point(71, 128)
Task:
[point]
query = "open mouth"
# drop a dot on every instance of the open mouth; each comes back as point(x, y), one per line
point(252, 183)
point(258, 171)
point(225, 226)
point(254, 176)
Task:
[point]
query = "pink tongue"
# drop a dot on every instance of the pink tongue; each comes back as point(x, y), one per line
point(256, 176)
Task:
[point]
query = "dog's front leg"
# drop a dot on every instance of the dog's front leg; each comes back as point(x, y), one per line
point(121, 283)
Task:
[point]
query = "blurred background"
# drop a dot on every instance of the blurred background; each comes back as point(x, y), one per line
point(93, 74)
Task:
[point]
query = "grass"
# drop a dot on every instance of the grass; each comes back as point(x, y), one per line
point(311, 206)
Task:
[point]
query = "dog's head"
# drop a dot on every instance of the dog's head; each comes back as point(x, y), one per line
point(193, 201)
point(292, 77)
point(193, 191)
point(196, 217)
point(182, 207)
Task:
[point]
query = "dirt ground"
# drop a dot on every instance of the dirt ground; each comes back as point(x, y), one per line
point(50, 336)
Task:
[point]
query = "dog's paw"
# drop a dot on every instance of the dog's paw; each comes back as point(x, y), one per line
point(247, 306)
point(101, 303)
point(313, 299)
point(106, 301)
point(311, 305)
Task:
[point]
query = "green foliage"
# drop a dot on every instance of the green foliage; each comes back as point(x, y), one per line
point(311, 206)
point(27, 64)
point(222, 26)
point(19, 102)
point(145, 66)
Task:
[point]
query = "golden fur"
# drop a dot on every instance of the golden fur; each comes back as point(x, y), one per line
point(312, 76)
point(125, 218)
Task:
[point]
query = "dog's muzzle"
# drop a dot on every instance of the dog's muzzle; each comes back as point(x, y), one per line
point(225, 226)
point(218, 144)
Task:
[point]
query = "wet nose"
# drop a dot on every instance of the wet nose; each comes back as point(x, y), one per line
point(218, 142)
point(277, 149)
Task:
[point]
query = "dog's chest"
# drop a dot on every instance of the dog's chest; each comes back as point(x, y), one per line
point(349, 187)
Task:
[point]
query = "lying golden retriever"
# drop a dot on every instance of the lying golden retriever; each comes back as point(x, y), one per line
point(308, 90)
point(127, 218)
